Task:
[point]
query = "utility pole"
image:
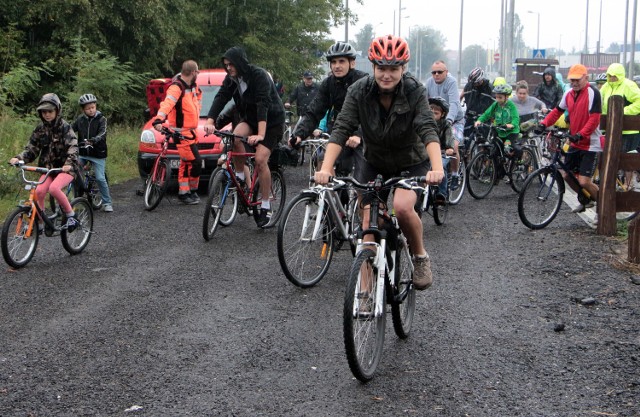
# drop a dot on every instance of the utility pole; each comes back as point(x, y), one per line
point(346, 21)
point(460, 42)
point(586, 32)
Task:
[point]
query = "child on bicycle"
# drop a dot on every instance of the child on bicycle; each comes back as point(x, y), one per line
point(504, 113)
point(91, 128)
point(440, 108)
point(55, 145)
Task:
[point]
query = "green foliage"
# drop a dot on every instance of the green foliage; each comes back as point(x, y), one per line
point(14, 134)
point(17, 85)
point(425, 44)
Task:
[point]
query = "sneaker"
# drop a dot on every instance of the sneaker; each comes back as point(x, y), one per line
point(263, 217)
point(583, 207)
point(187, 199)
point(455, 182)
point(422, 277)
point(72, 223)
point(108, 208)
point(195, 196)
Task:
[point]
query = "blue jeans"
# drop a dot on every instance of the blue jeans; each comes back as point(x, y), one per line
point(442, 188)
point(99, 165)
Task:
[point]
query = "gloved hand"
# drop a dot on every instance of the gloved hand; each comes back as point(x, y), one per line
point(292, 142)
point(156, 122)
point(448, 122)
point(574, 138)
point(539, 129)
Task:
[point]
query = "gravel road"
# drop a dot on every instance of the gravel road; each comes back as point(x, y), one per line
point(151, 320)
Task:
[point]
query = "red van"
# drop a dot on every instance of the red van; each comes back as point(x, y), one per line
point(150, 143)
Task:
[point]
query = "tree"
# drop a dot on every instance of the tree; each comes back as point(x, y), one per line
point(474, 56)
point(425, 44)
point(364, 38)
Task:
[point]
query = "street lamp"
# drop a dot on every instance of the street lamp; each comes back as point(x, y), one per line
point(538, 40)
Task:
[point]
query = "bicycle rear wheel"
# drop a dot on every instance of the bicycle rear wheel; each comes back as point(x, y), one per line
point(481, 174)
point(17, 247)
point(219, 192)
point(522, 168)
point(403, 305)
point(74, 242)
point(541, 197)
point(304, 256)
point(157, 184)
point(94, 194)
point(456, 195)
point(277, 198)
point(363, 326)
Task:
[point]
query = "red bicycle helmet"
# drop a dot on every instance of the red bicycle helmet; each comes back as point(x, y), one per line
point(389, 50)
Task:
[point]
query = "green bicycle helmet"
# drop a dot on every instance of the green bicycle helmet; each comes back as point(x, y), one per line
point(502, 89)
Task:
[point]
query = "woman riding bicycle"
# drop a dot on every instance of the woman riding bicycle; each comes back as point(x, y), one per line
point(399, 135)
point(55, 145)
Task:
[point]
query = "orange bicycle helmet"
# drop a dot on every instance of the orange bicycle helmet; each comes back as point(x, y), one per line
point(389, 50)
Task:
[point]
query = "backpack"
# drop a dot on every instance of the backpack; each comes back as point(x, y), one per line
point(157, 91)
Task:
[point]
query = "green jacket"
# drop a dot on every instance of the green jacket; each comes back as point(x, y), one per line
point(623, 87)
point(502, 115)
point(399, 141)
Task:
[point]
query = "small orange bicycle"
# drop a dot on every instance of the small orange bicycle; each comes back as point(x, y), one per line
point(22, 229)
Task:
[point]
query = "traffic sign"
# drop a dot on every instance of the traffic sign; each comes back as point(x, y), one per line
point(539, 53)
point(496, 56)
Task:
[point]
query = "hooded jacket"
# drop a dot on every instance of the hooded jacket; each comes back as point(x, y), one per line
point(624, 87)
point(550, 93)
point(93, 129)
point(397, 142)
point(255, 95)
point(53, 143)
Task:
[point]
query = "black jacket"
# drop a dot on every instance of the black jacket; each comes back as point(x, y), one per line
point(549, 93)
point(478, 98)
point(259, 102)
point(303, 95)
point(94, 130)
point(331, 95)
point(399, 141)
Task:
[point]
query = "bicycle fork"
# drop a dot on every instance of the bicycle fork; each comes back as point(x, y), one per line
point(379, 265)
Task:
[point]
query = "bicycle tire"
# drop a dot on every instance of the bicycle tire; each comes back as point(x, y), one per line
point(540, 198)
point(355, 222)
point(230, 208)
point(455, 196)
point(481, 175)
point(94, 195)
point(216, 200)
point(440, 213)
point(156, 184)
point(17, 249)
point(304, 259)
point(76, 241)
point(521, 169)
point(363, 332)
point(278, 196)
point(403, 305)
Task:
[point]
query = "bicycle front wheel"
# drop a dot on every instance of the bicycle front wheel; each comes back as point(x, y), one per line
point(218, 194)
point(403, 305)
point(364, 326)
point(481, 174)
point(440, 213)
point(277, 198)
point(522, 168)
point(74, 242)
point(305, 241)
point(157, 184)
point(540, 198)
point(94, 195)
point(17, 247)
point(456, 195)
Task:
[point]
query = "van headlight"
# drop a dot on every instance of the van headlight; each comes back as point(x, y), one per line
point(148, 136)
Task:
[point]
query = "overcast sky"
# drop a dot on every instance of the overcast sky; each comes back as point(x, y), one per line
point(562, 22)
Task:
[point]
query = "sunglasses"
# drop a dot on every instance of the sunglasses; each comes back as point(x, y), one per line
point(437, 72)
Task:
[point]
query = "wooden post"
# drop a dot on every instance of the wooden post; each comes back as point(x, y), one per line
point(609, 168)
point(634, 240)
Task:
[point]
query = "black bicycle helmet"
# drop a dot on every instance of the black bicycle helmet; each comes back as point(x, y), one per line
point(50, 101)
point(476, 75)
point(440, 102)
point(340, 49)
point(502, 89)
point(87, 99)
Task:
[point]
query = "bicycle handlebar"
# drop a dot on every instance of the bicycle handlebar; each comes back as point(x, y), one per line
point(42, 170)
point(230, 135)
point(408, 183)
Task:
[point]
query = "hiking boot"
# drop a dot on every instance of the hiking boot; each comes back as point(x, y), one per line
point(422, 277)
point(187, 199)
point(72, 223)
point(195, 196)
point(108, 208)
point(263, 217)
point(455, 182)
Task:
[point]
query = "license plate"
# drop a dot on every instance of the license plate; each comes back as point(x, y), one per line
point(175, 163)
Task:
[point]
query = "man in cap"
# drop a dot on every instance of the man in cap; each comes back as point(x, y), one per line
point(303, 93)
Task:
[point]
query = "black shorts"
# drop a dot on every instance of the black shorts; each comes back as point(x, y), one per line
point(272, 137)
point(366, 172)
point(581, 162)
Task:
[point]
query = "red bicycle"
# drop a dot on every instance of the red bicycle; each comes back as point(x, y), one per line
point(229, 196)
point(158, 180)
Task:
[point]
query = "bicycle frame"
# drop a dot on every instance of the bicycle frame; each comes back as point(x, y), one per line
point(328, 196)
point(227, 160)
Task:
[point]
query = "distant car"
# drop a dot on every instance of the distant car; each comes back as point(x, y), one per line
point(209, 147)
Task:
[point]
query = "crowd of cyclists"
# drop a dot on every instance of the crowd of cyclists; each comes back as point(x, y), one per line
point(387, 123)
